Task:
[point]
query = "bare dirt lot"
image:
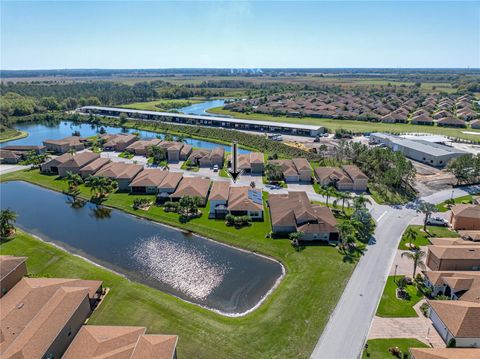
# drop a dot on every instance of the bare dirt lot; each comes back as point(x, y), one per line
point(430, 179)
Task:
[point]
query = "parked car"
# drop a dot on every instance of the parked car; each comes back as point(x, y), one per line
point(437, 221)
point(215, 168)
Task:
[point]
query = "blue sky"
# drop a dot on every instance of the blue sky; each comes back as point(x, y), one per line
point(52, 35)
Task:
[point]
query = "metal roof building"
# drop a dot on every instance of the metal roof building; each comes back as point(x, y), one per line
point(225, 122)
point(433, 154)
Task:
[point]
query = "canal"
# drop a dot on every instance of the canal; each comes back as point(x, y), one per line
point(196, 269)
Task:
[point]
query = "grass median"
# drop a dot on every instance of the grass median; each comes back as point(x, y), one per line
point(286, 325)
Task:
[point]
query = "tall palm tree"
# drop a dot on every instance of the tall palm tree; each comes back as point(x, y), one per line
point(7, 217)
point(330, 191)
point(347, 232)
point(427, 209)
point(74, 180)
point(361, 201)
point(344, 196)
point(411, 235)
point(417, 258)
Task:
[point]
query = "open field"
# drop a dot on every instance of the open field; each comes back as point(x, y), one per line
point(378, 348)
point(9, 134)
point(357, 126)
point(422, 237)
point(286, 325)
point(392, 307)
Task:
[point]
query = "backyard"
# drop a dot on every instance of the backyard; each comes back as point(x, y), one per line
point(318, 272)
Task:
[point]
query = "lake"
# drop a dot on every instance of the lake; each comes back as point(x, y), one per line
point(201, 271)
point(38, 132)
point(201, 108)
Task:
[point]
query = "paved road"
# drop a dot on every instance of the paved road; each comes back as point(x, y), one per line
point(347, 329)
point(349, 324)
point(4, 169)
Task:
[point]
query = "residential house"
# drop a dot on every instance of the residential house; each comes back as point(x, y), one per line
point(118, 142)
point(168, 185)
point(9, 157)
point(453, 283)
point(443, 353)
point(40, 316)
point(93, 167)
point(219, 199)
point(347, 178)
point(456, 320)
point(472, 236)
point(23, 150)
point(292, 173)
point(12, 270)
point(245, 201)
point(147, 181)
point(453, 241)
point(252, 162)
point(293, 212)
point(451, 122)
point(176, 151)
point(76, 162)
point(140, 147)
point(465, 217)
point(475, 124)
point(453, 258)
point(194, 187)
point(123, 173)
point(109, 342)
point(422, 120)
point(65, 145)
point(208, 158)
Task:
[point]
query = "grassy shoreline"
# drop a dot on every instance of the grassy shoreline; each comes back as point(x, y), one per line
point(356, 126)
point(12, 135)
point(317, 272)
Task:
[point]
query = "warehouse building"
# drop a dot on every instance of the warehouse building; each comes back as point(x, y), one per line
point(225, 122)
point(433, 154)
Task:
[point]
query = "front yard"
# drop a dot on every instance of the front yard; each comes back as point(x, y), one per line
point(422, 237)
point(287, 324)
point(392, 307)
point(378, 348)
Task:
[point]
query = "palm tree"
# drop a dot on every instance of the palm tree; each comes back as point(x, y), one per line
point(7, 217)
point(330, 191)
point(74, 180)
point(347, 232)
point(344, 196)
point(411, 235)
point(361, 201)
point(417, 258)
point(427, 209)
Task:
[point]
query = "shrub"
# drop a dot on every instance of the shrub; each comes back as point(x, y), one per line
point(452, 343)
point(395, 351)
point(171, 206)
point(237, 221)
point(424, 308)
point(141, 203)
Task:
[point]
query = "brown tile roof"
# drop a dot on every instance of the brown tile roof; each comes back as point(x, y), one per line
point(155, 347)
point(72, 141)
point(460, 317)
point(295, 209)
point(452, 242)
point(80, 159)
point(95, 165)
point(8, 264)
point(288, 167)
point(219, 191)
point(144, 144)
point(119, 170)
point(8, 154)
point(149, 178)
point(451, 121)
point(171, 180)
point(333, 174)
point(301, 164)
point(172, 145)
point(113, 140)
point(470, 235)
point(354, 172)
point(34, 311)
point(61, 159)
point(192, 186)
point(23, 148)
point(245, 199)
point(466, 211)
point(436, 277)
point(444, 353)
point(257, 157)
point(456, 252)
point(94, 341)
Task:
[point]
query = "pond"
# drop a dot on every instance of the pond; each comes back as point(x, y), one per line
point(222, 278)
point(38, 132)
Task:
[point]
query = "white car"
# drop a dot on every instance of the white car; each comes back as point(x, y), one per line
point(215, 168)
point(437, 221)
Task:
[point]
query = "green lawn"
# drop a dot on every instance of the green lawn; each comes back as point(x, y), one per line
point(392, 307)
point(356, 126)
point(160, 105)
point(442, 207)
point(422, 237)
point(378, 348)
point(9, 134)
point(287, 324)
